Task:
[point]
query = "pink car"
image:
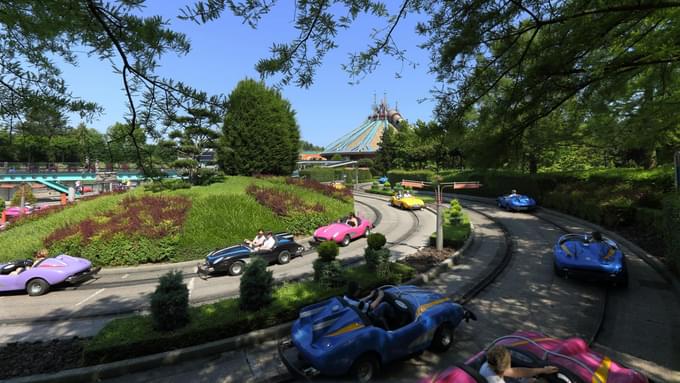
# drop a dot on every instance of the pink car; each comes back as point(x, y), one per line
point(577, 363)
point(342, 233)
point(15, 211)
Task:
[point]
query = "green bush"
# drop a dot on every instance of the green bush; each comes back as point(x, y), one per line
point(387, 185)
point(328, 251)
point(26, 191)
point(328, 273)
point(376, 241)
point(170, 303)
point(398, 175)
point(456, 227)
point(302, 223)
point(671, 229)
point(164, 185)
point(207, 176)
point(135, 336)
point(376, 257)
point(256, 286)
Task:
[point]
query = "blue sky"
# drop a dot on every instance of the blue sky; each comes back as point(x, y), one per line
point(225, 51)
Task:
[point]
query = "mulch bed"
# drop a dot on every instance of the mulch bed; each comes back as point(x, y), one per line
point(22, 359)
point(426, 258)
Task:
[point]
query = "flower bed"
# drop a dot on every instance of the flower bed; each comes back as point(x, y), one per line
point(138, 230)
point(341, 194)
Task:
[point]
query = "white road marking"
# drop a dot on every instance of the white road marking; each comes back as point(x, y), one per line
point(90, 297)
point(125, 276)
point(191, 286)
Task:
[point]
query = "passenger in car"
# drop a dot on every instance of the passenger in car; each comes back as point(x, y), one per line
point(352, 220)
point(269, 243)
point(497, 367)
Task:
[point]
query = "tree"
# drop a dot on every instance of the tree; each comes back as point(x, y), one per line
point(256, 286)
point(196, 132)
point(122, 146)
point(308, 146)
point(387, 151)
point(170, 302)
point(260, 134)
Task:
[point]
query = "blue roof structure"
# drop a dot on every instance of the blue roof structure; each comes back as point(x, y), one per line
point(365, 138)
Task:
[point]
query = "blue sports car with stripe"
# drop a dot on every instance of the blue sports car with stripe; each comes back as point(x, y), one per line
point(335, 337)
point(516, 202)
point(592, 256)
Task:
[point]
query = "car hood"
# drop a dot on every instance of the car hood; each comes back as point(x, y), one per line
point(231, 251)
point(328, 231)
point(589, 255)
point(521, 200)
point(321, 324)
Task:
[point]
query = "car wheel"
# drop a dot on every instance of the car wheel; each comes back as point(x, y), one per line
point(365, 368)
point(346, 240)
point(284, 257)
point(367, 232)
point(559, 272)
point(443, 338)
point(236, 268)
point(37, 286)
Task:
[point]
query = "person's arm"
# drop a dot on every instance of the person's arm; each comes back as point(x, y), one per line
point(377, 300)
point(524, 372)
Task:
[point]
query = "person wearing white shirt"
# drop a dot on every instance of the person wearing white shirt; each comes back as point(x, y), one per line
point(258, 241)
point(269, 243)
point(497, 367)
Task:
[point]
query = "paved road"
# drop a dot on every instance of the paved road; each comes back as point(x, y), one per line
point(84, 310)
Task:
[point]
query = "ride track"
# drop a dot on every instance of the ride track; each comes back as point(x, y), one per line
point(661, 373)
point(136, 279)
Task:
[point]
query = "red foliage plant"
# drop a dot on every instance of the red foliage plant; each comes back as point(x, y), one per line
point(325, 189)
point(281, 202)
point(148, 216)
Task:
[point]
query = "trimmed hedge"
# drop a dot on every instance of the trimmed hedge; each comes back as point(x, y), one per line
point(671, 229)
point(333, 174)
point(134, 336)
point(456, 227)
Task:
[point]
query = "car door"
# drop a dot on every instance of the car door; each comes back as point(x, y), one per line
point(409, 339)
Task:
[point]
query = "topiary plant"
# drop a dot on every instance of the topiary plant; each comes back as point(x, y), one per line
point(328, 251)
point(328, 273)
point(256, 286)
point(387, 185)
point(376, 241)
point(170, 302)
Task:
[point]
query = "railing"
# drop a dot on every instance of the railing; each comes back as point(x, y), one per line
point(64, 167)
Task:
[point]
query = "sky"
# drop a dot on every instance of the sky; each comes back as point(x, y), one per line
point(225, 51)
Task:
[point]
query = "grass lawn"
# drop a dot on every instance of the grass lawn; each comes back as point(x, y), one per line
point(220, 214)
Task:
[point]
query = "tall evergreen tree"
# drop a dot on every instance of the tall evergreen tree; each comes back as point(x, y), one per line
point(261, 135)
point(386, 153)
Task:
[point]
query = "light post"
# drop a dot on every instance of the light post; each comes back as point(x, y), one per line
point(438, 189)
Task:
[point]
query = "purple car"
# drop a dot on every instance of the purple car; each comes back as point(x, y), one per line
point(343, 233)
point(37, 280)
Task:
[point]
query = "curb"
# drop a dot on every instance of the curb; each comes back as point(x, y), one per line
point(124, 367)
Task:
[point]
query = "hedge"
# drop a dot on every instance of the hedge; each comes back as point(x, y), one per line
point(134, 336)
point(456, 228)
point(333, 174)
point(671, 229)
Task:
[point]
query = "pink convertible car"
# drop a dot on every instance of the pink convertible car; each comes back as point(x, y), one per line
point(577, 363)
point(342, 233)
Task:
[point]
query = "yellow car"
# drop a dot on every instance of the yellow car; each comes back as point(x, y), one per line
point(407, 202)
point(338, 185)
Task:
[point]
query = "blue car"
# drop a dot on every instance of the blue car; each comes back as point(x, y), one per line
point(598, 259)
point(383, 179)
point(516, 202)
point(334, 338)
point(232, 260)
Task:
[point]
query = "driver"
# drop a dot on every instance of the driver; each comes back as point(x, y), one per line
point(40, 256)
point(407, 194)
point(513, 193)
point(258, 241)
point(352, 220)
point(371, 304)
point(269, 242)
point(497, 367)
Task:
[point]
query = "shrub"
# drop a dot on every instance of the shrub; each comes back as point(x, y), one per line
point(256, 286)
point(376, 241)
point(376, 257)
point(26, 191)
point(164, 185)
point(387, 185)
point(328, 273)
point(207, 176)
point(671, 228)
point(332, 174)
point(328, 251)
point(170, 303)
